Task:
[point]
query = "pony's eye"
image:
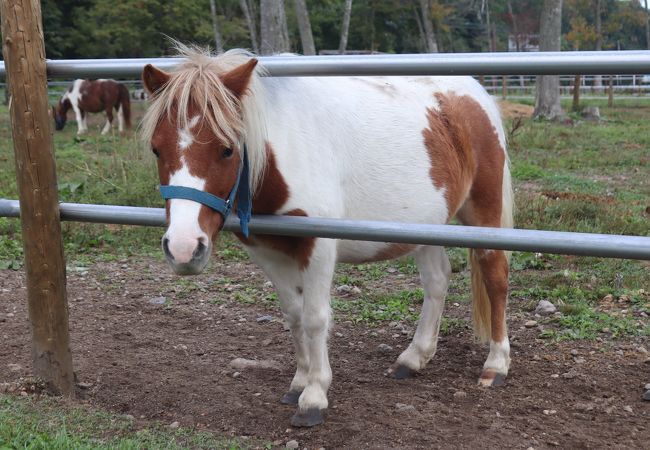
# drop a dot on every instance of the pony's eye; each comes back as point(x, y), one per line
point(155, 152)
point(227, 153)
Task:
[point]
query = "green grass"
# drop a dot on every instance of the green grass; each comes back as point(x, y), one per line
point(53, 424)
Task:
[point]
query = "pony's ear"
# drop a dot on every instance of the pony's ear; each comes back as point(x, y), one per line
point(237, 79)
point(154, 79)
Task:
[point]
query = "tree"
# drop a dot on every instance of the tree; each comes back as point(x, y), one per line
point(247, 9)
point(273, 23)
point(431, 44)
point(215, 27)
point(304, 27)
point(345, 27)
point(547, 95)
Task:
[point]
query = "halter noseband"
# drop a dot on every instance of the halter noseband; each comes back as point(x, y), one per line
point(240, 190)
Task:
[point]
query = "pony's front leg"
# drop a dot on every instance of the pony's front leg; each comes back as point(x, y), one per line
point(81, 120)
point(316, 316)
point(286, 276)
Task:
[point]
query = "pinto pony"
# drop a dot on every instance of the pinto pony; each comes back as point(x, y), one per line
point(407, 149)
point(92, 96)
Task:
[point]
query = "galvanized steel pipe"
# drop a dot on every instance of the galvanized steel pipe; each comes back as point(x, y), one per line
point(501, 63)
point(585, 244)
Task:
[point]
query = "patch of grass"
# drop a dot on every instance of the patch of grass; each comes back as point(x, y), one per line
point(49, 423)
point(385, 307)
point(522, 170)
point(580, 321)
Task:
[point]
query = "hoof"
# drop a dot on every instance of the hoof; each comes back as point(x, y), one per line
point(309, 418)
point(401, 372)
point(491, 378)
point(290, 398)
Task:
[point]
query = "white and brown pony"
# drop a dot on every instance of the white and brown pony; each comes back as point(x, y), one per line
point(407, 149)
point(93, 96)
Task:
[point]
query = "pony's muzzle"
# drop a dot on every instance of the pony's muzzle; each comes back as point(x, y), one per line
point(187, 256)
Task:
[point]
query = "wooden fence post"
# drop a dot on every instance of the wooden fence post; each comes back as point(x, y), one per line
point(24, 54)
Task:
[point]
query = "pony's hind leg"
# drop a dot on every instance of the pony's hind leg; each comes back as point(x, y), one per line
point(120, 118)
point(493, 267)
point(109, 120)
point(435, 272)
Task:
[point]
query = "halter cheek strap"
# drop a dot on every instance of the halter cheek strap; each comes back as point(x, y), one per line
point(241, 190)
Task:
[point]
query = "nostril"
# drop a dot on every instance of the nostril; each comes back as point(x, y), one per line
point(199, 250)
point(165, 245)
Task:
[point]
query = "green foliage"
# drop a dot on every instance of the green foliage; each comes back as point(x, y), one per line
point(137, 28)
point(29, 423)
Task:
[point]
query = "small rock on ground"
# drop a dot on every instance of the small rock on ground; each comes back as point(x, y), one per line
point(343, 289)
point(460, 394)
point(646, 396)
point(292, 444)
point(243, 364)
point(647, 387)
point(545, 308)
point(384, 348)
point(404, 408)
point(174, 425)
point(158, 301)
point(530, 324)
point(264, 319)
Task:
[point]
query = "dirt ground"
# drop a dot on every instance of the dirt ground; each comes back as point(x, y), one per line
point(170, 362)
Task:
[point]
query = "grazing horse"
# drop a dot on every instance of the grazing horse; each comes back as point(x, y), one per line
point(92, 96)
point(401, 149)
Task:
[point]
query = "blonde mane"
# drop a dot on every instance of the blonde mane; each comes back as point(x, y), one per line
point(195, 81)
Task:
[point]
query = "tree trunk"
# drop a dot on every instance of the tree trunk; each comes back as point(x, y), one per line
point(252, 29)
point(430, 36)
point(488, 23)
point(610, 93)
point(575, 106)
point(273, 23)
point(304, 26)
point(345, 27)
point(647, 25)
point(598, 79)
point(23, 50)
point(547, 96)
point(515, 29)
point(215, 27)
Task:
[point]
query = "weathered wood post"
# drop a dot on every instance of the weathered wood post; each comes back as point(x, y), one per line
point(24, 54)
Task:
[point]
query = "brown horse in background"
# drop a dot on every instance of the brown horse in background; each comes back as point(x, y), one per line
point(92, 96)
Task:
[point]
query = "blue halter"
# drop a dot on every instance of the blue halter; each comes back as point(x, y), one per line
point(241, 191)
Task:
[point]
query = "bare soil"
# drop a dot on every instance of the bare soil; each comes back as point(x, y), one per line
point(511, 110)
point(170, 362)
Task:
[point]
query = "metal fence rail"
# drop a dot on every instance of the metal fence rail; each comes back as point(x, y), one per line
point(585, 244)
point(533, 63)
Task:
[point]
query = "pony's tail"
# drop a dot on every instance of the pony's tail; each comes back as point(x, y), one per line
point(125, 104)
point(481, 310)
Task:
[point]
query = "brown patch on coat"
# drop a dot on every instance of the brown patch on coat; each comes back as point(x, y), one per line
point(271, 196)
point(467, 158)
point(484, 204)
point(297, 248)
point(393, 251)
point(449, 146)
